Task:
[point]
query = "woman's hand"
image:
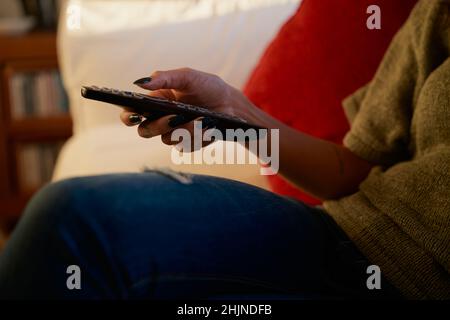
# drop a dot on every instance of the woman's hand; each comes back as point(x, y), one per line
point(189, 86)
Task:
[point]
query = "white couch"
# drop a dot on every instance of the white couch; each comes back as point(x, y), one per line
point(120, 41)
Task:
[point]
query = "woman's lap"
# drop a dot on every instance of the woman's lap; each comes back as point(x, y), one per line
point(155, 235)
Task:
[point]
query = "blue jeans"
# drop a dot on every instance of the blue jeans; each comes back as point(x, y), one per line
point(157, 235)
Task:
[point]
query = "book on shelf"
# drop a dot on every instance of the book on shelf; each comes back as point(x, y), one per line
point(36, 163)
point(37, 94)
point(44, 11)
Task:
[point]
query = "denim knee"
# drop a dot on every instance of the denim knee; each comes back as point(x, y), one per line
point(45, 242)
point(52, 207)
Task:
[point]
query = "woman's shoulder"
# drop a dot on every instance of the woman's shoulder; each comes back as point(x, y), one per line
point(427, 33)
point(425, 8)
point(430, 18)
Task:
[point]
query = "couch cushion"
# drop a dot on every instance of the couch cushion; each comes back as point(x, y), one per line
point(321, 55)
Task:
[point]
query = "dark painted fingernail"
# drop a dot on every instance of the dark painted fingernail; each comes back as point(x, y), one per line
point(142, 81)
point(135, 118)
point(177, 120)
point(208, 123)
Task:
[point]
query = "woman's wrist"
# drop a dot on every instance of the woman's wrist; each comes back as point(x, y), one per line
point(261, 118)
point(245, 109)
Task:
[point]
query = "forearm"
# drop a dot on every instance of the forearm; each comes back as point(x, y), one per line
point(322, 168)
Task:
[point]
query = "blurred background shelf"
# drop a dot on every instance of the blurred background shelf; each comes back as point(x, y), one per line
point(37, 129)
point(14, 205)
point(30, 53)
point(34, 45)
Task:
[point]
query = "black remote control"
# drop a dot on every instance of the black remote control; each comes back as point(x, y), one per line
point(154, 108)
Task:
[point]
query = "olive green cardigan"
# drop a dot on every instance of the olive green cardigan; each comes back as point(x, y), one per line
point(400, 217)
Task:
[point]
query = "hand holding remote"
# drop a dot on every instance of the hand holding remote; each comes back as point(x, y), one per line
point(192, 87)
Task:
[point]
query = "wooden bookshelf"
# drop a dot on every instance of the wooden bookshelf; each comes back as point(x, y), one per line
point(31, 52)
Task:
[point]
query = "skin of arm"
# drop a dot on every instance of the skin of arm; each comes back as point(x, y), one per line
point(321, 168)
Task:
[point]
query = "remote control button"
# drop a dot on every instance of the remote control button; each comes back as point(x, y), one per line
point(137, 96)
point(186, 106)
point(140, 95)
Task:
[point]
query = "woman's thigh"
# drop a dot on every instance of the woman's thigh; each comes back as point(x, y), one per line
point(163, 235)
